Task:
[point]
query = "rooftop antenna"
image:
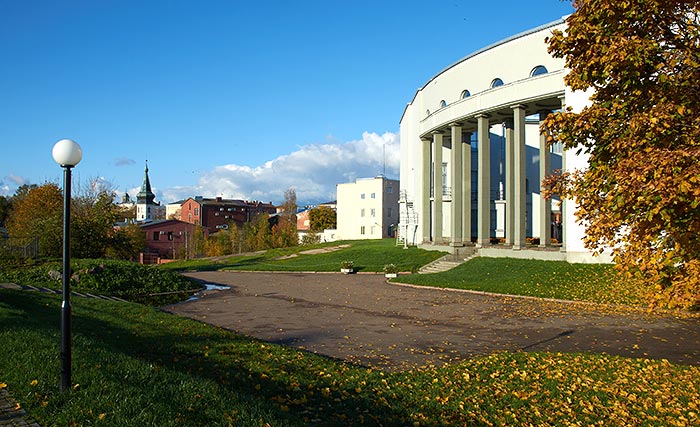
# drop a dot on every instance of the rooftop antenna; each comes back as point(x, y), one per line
point(384, 159)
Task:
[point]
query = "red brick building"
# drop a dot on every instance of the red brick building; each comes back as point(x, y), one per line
point(303, 223)
point(168, 238)
point(219, 213)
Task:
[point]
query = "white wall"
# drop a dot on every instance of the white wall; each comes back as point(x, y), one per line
point(363, 208)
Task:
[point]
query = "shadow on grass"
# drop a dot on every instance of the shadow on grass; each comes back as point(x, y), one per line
point(205, 264)
point(291, 386)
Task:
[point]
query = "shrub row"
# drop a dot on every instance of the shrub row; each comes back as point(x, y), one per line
point(123, 279)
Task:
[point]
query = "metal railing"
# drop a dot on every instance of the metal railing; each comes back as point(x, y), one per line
point(21, 247)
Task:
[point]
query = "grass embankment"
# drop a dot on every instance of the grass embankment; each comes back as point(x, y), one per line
point(127, 280)
point(598, 283)
point(136, 366)
point(367, 256)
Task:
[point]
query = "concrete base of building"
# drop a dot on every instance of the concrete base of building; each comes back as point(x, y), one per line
point(550, 253)
point(465, 249)
point(589, 258)
point(545, 254)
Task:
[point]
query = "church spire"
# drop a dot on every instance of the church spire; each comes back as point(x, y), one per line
point(145, 196)
point(145, 199)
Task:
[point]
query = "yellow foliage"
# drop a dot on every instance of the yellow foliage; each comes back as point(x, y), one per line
point(639, 195)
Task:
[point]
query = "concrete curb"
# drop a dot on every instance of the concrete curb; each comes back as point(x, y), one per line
point(11, 414)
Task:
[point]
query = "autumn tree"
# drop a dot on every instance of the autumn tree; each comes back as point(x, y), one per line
point(4, 209)
point(258, 235)
point(639, 195)
point(284, 233)
point(321, 218)
point(126, 213)
point(235, 237)
point(37, 212)
point(221, 242)
point(126, 243)
point(310, 238)
point(94, 214)
point(23, 191)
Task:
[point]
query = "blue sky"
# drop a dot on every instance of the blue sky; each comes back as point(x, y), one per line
point(229, 98)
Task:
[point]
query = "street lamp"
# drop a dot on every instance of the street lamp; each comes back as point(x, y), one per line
point(66, 153)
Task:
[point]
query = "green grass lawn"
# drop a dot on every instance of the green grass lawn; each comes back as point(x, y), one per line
point(547, 279)
point(136, 366)
point(367, 255)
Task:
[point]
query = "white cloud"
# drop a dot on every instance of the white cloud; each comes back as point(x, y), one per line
point(5, 190)
point(17, 180)
point(11, 183)
point(124, 161)
point(312, 170)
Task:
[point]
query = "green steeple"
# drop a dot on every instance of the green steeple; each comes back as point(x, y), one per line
point(145, 196)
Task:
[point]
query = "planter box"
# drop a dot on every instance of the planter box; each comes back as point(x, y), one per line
point(390, 275)
point(346, 270)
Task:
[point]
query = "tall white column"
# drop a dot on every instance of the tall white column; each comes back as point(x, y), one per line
point(437, 187)
point(456, 173)
point(509, 184)
point(564, 202)
point(425, 190)
point(519, 212)
point(467, 188)
point(484, 184)
point(545, 169)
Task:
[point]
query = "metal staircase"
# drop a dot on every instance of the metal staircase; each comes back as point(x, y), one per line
point(408, 221)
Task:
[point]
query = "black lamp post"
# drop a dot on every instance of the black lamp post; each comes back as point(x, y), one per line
point(66, 153)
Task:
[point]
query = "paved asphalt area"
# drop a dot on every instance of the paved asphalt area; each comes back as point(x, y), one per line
point(363, 319)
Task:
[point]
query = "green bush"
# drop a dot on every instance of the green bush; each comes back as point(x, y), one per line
point(123, 279)
point(391, 269)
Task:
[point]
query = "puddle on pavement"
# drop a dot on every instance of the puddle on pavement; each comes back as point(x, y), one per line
point(208, 287)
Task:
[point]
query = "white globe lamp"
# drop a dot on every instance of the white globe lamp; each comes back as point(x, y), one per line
point(67, 153)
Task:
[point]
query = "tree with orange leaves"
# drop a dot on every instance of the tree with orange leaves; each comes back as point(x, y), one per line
point(640, 193)
point(37, 211)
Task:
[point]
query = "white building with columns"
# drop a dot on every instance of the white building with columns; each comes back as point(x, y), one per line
point(473, 158)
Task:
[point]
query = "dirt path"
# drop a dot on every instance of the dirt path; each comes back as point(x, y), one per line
point(362, 319)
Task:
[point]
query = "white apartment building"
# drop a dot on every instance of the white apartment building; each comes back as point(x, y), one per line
point(172, 210)
point(367, 208)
